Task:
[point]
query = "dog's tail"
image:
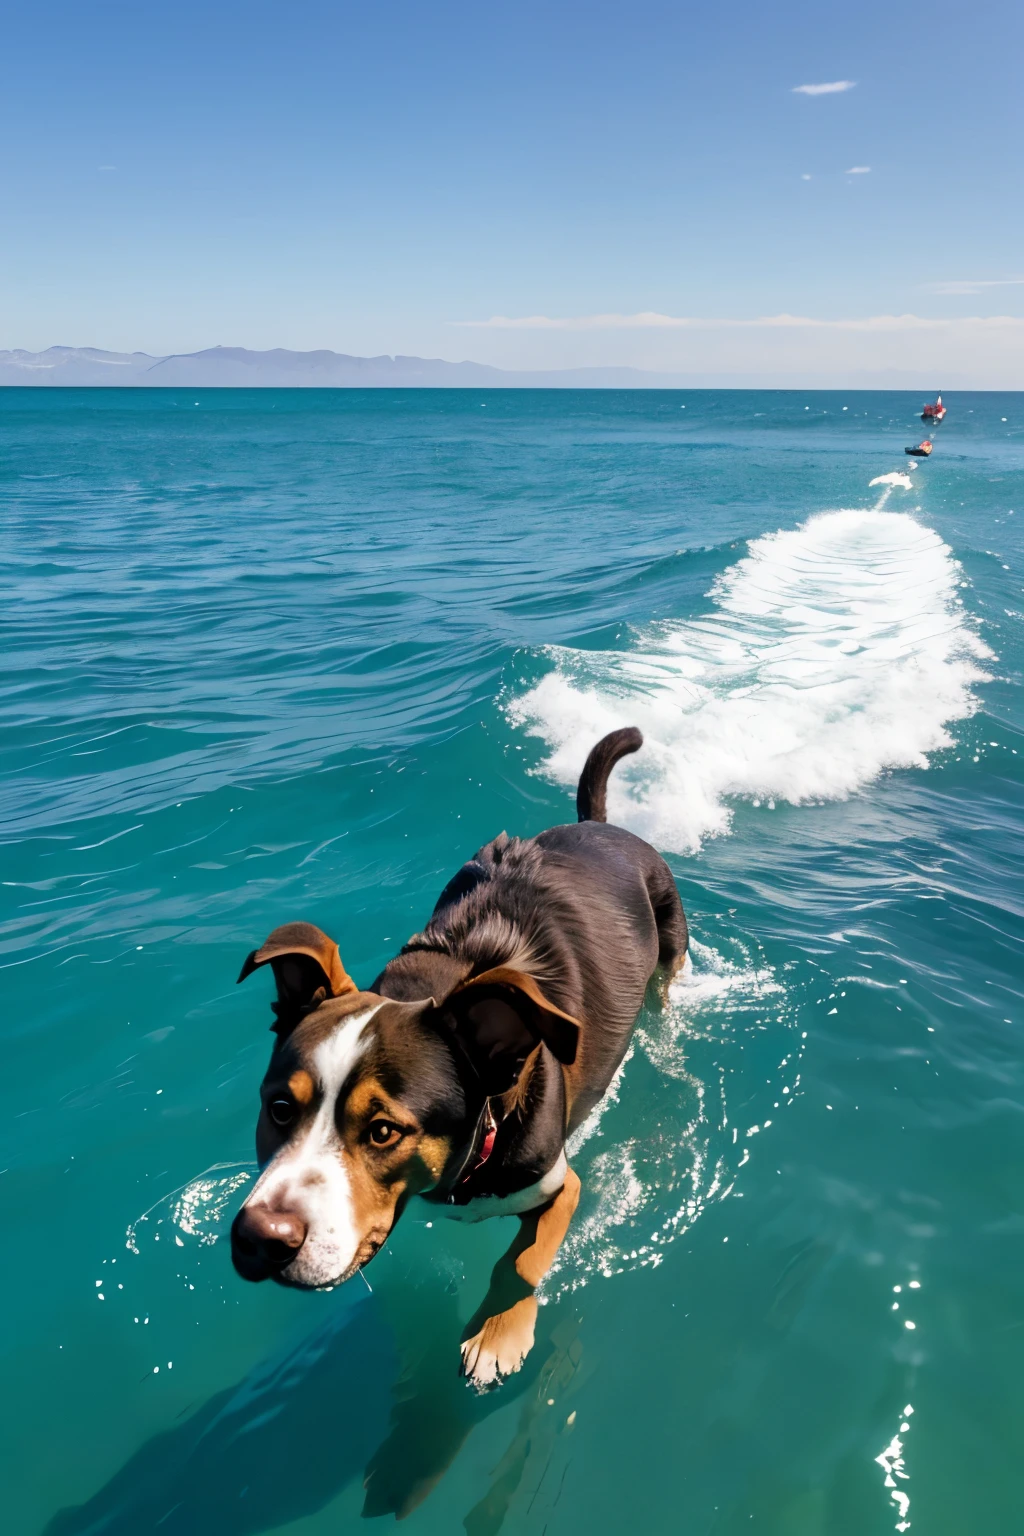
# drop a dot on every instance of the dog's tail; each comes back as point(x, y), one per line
point(590, 796)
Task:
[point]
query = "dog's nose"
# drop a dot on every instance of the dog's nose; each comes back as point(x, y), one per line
point(264, 1242)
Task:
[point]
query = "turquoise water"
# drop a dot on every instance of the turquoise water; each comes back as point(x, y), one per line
point(274, 655)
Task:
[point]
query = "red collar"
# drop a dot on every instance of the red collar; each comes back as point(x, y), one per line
point(489, 1126)
point(490, 1129)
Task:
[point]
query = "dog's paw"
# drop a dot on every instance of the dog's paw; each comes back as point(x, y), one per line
point(500, 1347)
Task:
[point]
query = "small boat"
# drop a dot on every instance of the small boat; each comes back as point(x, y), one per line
point(922, 450)
point(934, 411)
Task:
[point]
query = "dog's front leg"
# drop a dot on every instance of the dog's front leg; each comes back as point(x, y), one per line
point(500, 1335)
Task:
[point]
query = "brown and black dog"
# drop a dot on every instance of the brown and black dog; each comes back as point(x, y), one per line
point(460, 1073)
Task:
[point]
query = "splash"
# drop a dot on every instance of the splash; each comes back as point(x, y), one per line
point(897, 477)
point(642, 1190)
point(832, 653)
point(196, 1209)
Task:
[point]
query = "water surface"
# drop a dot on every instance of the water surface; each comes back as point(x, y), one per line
point(273, 655)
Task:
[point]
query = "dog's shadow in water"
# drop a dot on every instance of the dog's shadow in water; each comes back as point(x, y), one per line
point(368, 1396)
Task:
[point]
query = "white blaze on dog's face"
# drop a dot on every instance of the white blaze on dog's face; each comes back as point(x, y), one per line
point(311, 1174)
point(358, 1114)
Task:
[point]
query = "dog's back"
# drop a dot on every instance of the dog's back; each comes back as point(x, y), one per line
point(590, 911)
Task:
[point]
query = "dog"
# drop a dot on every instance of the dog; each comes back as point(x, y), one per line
point(460, 1073)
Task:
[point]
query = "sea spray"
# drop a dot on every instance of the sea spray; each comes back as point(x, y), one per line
point(896, 477)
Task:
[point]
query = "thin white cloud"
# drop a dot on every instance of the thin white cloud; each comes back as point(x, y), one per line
point(646, 320)
point(830, 88)
point(859, 170)
point(970, 285)
point(651, 320)
point(805, 176)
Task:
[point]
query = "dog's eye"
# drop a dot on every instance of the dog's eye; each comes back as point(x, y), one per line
point(383, 1133)
point(282, 1111)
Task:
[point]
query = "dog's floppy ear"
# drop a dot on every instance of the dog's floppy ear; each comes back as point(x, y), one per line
point(499, 1017)
point(307, 969)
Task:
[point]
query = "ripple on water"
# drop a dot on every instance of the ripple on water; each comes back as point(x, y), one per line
point(645, 1187)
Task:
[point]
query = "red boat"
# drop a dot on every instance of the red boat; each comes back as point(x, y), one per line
point(934, 412)
point(922, 450)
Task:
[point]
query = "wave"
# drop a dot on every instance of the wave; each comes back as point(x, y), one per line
point(832, 653)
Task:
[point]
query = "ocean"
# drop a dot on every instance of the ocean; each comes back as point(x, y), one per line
point(274, 655)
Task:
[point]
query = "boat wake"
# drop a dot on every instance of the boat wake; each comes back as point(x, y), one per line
point(832, 653)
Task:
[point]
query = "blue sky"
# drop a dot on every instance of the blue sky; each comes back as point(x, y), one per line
point(395, 177)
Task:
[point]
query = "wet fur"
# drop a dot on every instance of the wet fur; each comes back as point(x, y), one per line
point(590, 911)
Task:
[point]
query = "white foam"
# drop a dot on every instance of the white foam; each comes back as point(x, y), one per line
point(831, 653)
point(718, 981)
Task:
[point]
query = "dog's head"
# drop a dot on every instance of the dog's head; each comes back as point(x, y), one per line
point(368, 1100)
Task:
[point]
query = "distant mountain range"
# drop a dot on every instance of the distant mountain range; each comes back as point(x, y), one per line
point(237, 367)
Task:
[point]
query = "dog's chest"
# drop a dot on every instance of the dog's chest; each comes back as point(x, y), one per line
point(514, 1204)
